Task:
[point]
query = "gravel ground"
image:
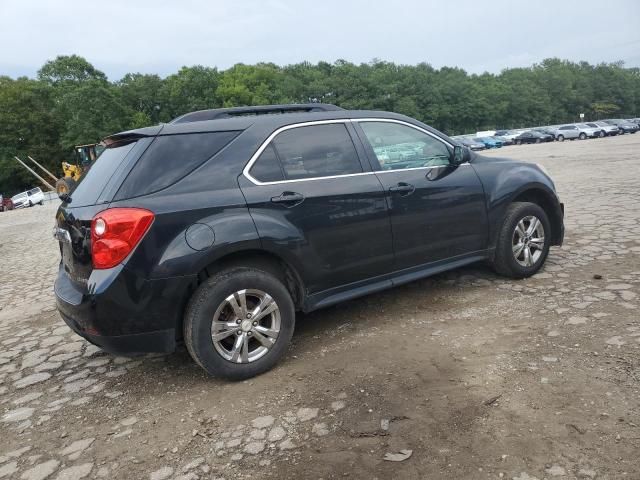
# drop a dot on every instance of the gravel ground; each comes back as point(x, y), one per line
point(478, 376)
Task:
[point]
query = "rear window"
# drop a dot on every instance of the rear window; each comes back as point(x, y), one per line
point(170, 158)
point(95, 179)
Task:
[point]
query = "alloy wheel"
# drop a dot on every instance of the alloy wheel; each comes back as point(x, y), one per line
point(528, 241)
point(245, 326)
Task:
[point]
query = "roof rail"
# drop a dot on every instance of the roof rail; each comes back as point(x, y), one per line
point(217, 113)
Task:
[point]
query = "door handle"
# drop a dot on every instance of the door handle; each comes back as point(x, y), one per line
point(289, 199)
point(403, 189)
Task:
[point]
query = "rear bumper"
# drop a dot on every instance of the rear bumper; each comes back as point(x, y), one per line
point(162, 341)
point(122, 313)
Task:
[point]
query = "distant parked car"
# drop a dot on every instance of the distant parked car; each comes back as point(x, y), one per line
point(590, 132)
point(624, 126)
point(28, 198)
point(606, 129)
point(546, 131)
point(470, 144)
point(533, 136)
point(488, 142)
point(568, 132)
point(508, 134)
point(5, 204)
point(504, 140)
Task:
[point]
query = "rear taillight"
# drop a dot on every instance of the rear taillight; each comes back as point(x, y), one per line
point(115, 232)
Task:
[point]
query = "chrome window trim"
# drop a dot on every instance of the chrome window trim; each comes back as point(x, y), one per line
point(266, 143)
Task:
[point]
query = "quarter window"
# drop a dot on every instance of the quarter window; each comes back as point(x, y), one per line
point(267, 167)
point(398, 147)
point(168, 159)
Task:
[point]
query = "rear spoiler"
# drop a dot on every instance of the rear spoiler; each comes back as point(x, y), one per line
point(132, 135)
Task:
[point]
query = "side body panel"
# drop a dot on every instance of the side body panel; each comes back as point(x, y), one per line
point(504, 180)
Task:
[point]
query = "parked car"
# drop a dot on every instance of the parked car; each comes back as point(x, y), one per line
point(508, 134)
point(503, 140)
point(256, 216)
point(488, 142)
point(546, 131)
point(590, 132)
point(533, 136)
point(467, 142)
point(624, 126)
point(568, 132)
point(606, 129)
point(28, 198)
point(5, 204)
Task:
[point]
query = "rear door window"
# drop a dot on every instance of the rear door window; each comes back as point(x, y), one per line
point(317, 151)
point(170, 158)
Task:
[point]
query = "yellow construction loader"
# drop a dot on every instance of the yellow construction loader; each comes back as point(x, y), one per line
point(85, 155)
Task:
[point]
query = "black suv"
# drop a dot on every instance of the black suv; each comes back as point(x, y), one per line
point(216, 228)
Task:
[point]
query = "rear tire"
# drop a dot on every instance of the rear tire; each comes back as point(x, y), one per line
point(215, 309)
point(511, 259)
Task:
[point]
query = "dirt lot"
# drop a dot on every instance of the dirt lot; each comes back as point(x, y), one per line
point(479, 376)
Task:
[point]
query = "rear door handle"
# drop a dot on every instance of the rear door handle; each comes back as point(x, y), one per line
point(289, 199)
point(403, 189)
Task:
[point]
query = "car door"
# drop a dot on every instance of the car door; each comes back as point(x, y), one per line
point(316, 203)
point(569, 131)
point(437, 209)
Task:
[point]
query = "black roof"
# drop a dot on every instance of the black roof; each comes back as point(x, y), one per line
point(265, 118)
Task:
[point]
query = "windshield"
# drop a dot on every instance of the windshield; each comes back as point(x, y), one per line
point(19, 196)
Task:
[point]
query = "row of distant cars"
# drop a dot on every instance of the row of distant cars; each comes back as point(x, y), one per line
point(32, 197)
point(551, 133)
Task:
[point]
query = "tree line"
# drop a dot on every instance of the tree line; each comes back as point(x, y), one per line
point(72, 103)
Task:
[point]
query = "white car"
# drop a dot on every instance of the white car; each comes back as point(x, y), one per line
point(567, 132)
point(591, 132)
point(606, 129)
point(28, 198)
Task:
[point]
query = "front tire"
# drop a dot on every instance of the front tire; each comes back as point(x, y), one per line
point(523, 241)
point(239, 323)
point(560, 138)
point(583, 136)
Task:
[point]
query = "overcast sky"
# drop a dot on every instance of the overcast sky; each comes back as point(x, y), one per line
point(160, 36)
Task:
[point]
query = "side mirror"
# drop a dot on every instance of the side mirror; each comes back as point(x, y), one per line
point(460, 155)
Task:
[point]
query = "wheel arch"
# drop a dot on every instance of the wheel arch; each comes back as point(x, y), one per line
point(263, 259)
point(548, 202)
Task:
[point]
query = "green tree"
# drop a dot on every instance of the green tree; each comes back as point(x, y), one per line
point(69, 70)
point(27, 127)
